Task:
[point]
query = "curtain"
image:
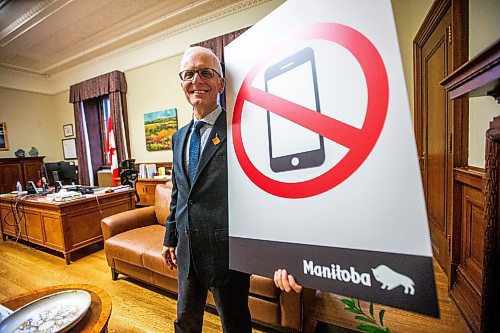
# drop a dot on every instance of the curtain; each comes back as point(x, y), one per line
point(217, 45)
point(114, 85)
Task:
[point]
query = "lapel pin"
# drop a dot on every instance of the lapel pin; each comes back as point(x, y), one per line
point(216, 140)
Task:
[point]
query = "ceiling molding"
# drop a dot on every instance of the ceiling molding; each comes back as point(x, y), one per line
point(178, 29)
point(76, 59)
point(23, 70)
point(151, 49)
point(30, 19)
point(123, 36)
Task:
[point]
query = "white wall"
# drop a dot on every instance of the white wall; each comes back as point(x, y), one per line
point(30, 122)
point(409, 15)
point(154, 88)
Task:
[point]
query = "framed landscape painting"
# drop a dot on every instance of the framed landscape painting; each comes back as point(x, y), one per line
point(159, 127)
point(4, 141)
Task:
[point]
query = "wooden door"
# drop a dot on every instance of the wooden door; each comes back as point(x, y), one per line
point(436, 139)
point(441, 125)
point(434, 136)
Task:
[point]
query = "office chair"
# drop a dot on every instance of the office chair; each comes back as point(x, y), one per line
point(129, 175)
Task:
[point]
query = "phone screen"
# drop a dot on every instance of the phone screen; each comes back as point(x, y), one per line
point(287, 137)
point(293, 146)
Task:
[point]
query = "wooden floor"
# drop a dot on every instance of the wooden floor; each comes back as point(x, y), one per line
point(141, 308)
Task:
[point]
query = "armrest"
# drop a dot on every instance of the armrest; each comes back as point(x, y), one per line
point(291, 310)
point(131, 219)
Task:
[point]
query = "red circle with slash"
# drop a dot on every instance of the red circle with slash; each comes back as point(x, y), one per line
point(360, 142)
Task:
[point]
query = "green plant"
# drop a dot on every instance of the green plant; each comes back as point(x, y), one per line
point(368, 322)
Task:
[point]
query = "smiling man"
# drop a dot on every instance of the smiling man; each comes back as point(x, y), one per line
point(197, 236)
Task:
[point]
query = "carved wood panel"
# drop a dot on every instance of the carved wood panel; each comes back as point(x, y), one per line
point(473, 228)
point(467, 287)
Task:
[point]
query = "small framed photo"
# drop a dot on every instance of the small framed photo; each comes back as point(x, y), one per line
point(4, 141)
point(69, 149)
point(68, 130)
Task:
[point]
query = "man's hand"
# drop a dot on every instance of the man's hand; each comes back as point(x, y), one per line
point(168, 255)
point(286, 282)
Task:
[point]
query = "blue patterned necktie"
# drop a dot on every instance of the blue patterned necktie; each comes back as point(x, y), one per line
point(194, 149)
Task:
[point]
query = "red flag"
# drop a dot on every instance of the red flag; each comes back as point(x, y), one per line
point(111, 151)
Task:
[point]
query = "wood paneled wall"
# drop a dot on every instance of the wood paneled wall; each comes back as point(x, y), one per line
point(466, 290)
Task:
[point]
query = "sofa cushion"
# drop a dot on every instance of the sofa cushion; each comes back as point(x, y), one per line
point(130, 246)
point(263, 286)
point(153, 260)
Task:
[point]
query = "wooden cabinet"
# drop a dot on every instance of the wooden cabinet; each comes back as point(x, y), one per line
point(10, 173)
point(146, 193)
point(21, 169)
point(145, 188)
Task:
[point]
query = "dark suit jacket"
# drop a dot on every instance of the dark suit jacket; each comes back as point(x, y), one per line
point(198, 221)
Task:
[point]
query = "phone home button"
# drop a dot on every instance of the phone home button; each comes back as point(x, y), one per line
point(295, 161)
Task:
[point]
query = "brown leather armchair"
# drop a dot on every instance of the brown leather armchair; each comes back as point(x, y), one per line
point(133, 241)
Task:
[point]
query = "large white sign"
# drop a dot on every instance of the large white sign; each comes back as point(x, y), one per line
point(323, 171)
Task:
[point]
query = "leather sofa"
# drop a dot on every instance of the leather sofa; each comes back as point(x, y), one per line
point(133, 241)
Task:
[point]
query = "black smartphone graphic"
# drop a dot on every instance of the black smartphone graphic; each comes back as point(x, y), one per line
point(292, 146)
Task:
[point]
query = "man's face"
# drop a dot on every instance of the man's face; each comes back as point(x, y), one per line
point(202, 93)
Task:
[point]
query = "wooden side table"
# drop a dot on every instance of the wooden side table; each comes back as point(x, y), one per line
point(95, 319)
point(145, 188)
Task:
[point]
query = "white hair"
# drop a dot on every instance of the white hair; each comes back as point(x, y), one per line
point(201, 49)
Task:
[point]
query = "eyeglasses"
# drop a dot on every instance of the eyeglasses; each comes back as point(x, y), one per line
point(204, 73)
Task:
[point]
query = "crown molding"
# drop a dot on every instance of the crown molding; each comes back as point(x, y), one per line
point(163, 35)
point(141, 53)
point(30, 19)
point(23, 71)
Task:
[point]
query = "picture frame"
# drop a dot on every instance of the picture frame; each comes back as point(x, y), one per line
point(159, 127)
point(69, 149)
point(68, 130)
point(4, 140)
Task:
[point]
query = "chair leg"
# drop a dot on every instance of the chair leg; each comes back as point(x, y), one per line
point(114, 274)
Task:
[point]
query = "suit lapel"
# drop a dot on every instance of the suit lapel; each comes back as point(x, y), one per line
point(219, 131)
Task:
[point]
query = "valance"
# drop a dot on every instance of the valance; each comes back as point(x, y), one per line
point(98, 86)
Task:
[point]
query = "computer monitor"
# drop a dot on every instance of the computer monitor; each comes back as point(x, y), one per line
point(61, 171)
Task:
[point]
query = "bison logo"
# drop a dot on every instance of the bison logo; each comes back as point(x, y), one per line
point(391, 279)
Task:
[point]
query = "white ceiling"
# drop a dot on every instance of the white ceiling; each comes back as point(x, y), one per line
point(50, 36)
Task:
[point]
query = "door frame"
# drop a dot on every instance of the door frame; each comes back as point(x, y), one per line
point(459, 113)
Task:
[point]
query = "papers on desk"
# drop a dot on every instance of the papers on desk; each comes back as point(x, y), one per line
point(162, 177)
point(120, 188)
point(63, 195)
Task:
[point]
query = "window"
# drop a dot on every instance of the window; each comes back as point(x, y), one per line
point(94, 101)
point(104, 115)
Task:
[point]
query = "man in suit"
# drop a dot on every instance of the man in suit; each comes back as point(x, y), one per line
point(197, 236)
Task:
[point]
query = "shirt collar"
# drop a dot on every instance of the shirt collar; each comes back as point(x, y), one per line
point(211, 118)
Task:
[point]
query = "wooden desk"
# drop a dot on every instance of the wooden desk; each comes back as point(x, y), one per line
point(95, 319)
point(63, 226)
